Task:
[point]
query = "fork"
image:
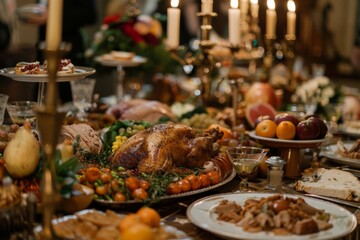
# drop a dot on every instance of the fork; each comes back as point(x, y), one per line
point(286, 189)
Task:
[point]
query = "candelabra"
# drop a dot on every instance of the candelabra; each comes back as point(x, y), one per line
point(49, 125)
point(204, 61)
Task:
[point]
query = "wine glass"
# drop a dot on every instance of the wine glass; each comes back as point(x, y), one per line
point(245, 161)
point(82, 91)
point(333, 112)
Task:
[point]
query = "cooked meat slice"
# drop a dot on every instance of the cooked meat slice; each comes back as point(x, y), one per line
point(305, 226)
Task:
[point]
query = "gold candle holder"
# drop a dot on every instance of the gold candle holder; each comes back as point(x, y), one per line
point(290, 58)
point(49, 122)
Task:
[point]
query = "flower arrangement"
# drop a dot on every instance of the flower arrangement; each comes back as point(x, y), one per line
point(141, 34)
point(318, 89)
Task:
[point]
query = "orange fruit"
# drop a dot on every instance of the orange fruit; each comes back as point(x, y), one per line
point(286, 130)
point(266, 128)
point(138, 231)
point(149, 216)
point(227, 132)
point(129, 221)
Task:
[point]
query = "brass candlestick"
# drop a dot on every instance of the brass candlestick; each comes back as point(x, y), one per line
point(206, 60)
point(49, 125)
point(290, 58)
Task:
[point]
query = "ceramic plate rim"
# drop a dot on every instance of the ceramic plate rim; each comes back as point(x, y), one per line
point(351, 224)
point(335, 157)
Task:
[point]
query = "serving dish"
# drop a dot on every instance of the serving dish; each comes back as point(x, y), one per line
point(289, 150)
point(170, 229)
point(330, 152)
point(351, 129)
point(80, 73)
point(169, 198)
point(202, 214)
point(282, 143)
point(133, 62)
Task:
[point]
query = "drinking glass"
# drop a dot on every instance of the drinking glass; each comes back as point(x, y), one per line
point(3, 101)
point(245, 161)
point(82, 91)
point(333, 112)
point(21, 112)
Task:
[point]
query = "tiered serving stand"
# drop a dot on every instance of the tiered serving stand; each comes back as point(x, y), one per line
point(289, 150)
point(80, 73)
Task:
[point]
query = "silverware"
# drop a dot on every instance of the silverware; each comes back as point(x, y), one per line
point(334, 200)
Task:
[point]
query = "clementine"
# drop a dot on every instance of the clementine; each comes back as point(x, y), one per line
point(286, 130)
point(266, 128)
point(149, 216)
point(138, 231)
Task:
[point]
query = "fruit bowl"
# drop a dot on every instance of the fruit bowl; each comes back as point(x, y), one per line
point(289, 150)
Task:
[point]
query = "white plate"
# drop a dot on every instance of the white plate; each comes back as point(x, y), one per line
point(80, 73)
point(330, 152)
point(202, 214)
point(350, 131)
point(135, 61)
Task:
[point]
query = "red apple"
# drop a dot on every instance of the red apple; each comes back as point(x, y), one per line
point(322, 125)
point(286, 117)
point(307, 130)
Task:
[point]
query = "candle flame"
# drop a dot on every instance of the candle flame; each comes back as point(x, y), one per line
point(271, 4)
point(254, 1)
point(291, 6)
point(234, 3)
point(174, 3)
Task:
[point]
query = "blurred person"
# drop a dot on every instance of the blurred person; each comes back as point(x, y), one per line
point(76, 15)
point(355, 58)
point(8, 23)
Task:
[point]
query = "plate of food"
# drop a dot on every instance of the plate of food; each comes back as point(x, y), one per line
point(120, 58)
point(113, 203)
point(270, 216)
point(36, 72)
point(282, 143)
point(350, 128)
point(345, 153)
point(95, 224)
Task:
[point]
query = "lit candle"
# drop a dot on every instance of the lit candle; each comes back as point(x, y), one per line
point(173, 24)
point(254, 8)
point(270, 18)
point(54, 24)
point(291, 17)
point(207, 6)
point(234, 23)
point(244, 7)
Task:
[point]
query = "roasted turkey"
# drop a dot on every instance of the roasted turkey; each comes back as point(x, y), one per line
point(166, 147)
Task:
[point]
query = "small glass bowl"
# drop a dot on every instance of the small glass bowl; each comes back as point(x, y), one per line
point(21, 111)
